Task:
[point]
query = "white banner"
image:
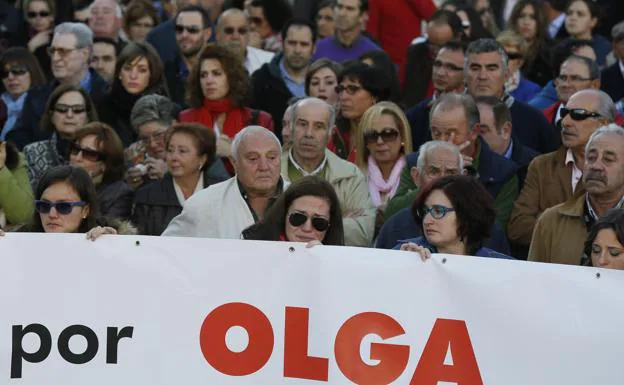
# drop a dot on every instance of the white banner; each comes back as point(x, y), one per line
point(152, 311)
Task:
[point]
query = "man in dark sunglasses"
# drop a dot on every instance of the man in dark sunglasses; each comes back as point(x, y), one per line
point(233, 31)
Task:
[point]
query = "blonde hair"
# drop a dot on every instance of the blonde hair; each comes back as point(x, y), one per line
point(509, 37)
point(366, 122)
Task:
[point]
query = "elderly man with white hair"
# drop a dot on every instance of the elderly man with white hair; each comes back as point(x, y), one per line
point(225, 209)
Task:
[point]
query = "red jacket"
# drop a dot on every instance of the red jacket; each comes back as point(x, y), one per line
point(193, 115)
point(395, 23)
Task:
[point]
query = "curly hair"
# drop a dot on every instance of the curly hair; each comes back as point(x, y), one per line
point(232, 64)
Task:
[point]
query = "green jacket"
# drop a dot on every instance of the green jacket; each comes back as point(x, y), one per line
point(16, 196)
point(358, 211)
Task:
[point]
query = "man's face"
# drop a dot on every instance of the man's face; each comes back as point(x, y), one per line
point(573, 77)
point(604, 165)
point(347, 15)
point(67, 60)
point(190, 33)
point(448, 70)
point(103, 60)
point(618, 48)
point(485, 75)
point(437, 35)
point(298, 48)
point(259, 23)
point(451, 126)
point(104, 21)
point(257, 163)
point(311, 132)
point(439, 163)
point(496, 137)
point(576, 133)
point(233, 31)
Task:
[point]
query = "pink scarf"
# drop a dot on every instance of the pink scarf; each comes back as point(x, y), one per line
point(376, 183)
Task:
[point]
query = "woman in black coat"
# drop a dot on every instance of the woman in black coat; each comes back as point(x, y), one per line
point(191, 150)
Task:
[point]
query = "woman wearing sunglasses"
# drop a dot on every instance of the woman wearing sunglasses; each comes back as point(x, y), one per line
point(308, 211)
point(517, 85)
point(138, 72)
point(359, 87)
point(68, 108)
point(97, 149)
point(20, 72)
point(456, 214)
point(381, 146)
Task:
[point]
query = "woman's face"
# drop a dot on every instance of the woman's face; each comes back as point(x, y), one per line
point(323, 86)
point(140, 28)
point(39, 16)
point(213, 80)
point(182, 157)
point(465, 22)
point(440, 232)
point(316, 210)
point(514, 63)
point(135, 75)
point(69, 113)
point(325, 22)
point(354, 100)
point(384, 145)
point(607, 251)
point(86, 154)
point(579, 21)
point(53, 221)
point(16, 79)
point(526, 24)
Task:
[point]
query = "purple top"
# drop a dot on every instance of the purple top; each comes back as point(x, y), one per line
point(331, 48)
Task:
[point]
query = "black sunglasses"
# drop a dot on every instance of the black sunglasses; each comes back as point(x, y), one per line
point(87, 153)
point(44, 206)
point(15, 71)
point(514, 56)
point(351, 89)
point(297, 219)
point(579, 113)
point(231, 30)
point(64, 108)
point(386, 135)
point(32, 15)
point(192, 29)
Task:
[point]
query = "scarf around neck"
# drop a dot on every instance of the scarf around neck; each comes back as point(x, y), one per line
point(234, 121)
point(376, 183)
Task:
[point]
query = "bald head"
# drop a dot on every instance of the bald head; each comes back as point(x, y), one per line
point(595, 100)
point(233, 30)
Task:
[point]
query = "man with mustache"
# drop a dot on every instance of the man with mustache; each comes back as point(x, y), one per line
point(553, 178)
point(311, 124)
point(561, 231)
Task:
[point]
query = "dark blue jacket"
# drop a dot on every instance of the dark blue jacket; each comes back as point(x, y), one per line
point(531, 128)
point(402, 226)
point(482, 252)
point(418, 118)
point(522, 156)
point(546, 98)
point(612, 82)
point(526, 90)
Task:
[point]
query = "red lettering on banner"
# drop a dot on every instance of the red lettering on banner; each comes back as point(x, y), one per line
point(214, 347)
point(431, 368)
point(297, 363)
point(393, 358)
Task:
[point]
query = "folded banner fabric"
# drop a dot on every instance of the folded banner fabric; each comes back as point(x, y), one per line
point(179, 311)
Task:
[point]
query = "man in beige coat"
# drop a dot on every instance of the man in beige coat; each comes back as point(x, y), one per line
point(561, 231)
point(311, 124)
point(554, 177)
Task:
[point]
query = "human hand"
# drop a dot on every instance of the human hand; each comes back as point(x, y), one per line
point(467, 159)
point(97, 232)
point(313, 243)
point(224, 146)
point(156, 168)
point(134, 177)
point(40, 39)
point(2, 233)
point(424, 252)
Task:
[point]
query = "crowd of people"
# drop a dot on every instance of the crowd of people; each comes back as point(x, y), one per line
point(460, 126)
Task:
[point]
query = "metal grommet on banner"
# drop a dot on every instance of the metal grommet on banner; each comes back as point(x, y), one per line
point(291, 249)
point(598, 275)
point(443, 260)
point(137, 243)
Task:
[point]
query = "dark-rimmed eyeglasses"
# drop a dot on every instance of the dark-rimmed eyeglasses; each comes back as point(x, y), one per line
point(87, 153)
point(387, 135)
point(15, 71)
point(192, 29)
point(231, 30)
point(351, 89)
point(297, 219)
point(578, 114)
point(572, 78)
point(63, 52)
point(32, 15)
point(44, 206)
point(65, 108)
point(436, 211)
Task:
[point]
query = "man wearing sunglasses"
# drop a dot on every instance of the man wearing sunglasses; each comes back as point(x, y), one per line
point(233, 31)
point(312, 120)
point(555, 177)
point(70, 52)
point(560, 232)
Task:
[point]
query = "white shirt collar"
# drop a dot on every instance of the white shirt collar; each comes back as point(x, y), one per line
point(577, 173)
point(301, 169)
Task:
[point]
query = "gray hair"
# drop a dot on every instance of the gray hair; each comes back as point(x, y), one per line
point(486, 45)
point(84, 35)
point(605, 107)
point(153, 108)
point(433, 145)
point(295, 107)
point(240, 137)
point(610, 128)
point(449, 101)
point(228, 12)
point(592, 66)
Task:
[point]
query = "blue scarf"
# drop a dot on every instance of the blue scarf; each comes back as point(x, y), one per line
point(14, 109)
